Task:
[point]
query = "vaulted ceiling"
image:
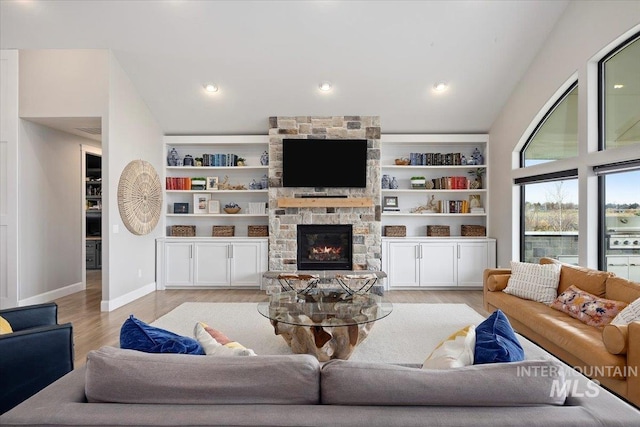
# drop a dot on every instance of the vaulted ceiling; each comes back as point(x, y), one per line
point(268, 57)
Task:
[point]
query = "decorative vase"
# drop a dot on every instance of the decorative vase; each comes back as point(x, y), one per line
point(394, 183)
point(264, 159)
point(264, 182)
point(172, 157)
point(385, 181)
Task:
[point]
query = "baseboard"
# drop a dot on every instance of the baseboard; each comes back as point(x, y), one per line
point(111, 305)
point(52, 295)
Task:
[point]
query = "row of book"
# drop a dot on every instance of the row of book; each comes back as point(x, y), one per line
point(180, 183)
point(229, 159)
point(453, 206)
point(451, 183)
point(435, 159)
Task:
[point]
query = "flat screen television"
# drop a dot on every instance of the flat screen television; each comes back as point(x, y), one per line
point(330, 163)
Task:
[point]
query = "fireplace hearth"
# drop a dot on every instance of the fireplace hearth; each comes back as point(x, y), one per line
point(325, 247)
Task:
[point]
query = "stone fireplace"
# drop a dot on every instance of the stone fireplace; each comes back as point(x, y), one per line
point(364, 221)
point(324, 247)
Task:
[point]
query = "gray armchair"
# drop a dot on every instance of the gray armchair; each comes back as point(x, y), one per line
point(38, 352)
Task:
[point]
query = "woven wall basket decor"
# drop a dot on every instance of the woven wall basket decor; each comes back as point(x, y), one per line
point(140, 197)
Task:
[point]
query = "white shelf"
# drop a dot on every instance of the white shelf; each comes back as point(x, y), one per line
point(424, 190)
point(220, 192)
point(434, 166)
point(225, 215)
point(384, 213)
point(225, 168)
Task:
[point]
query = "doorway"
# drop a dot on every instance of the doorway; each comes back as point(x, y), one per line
point(92, 219)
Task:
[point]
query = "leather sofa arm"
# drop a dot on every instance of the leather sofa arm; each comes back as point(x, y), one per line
point(616, 338)
point(495, 279)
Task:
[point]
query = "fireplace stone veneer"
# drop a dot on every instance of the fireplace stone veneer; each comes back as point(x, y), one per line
point(365, 221)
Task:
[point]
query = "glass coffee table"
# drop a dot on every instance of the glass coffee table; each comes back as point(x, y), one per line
point(327, 323)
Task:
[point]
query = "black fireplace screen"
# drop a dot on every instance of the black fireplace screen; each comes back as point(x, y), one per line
point(324, 247)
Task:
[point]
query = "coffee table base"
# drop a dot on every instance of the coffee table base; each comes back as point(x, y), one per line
point(324, 342)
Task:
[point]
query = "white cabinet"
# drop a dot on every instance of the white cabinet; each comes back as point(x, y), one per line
point(454, 191)
point(248, 183)
point(437, 262)
point(624, 266)
point(212, 262)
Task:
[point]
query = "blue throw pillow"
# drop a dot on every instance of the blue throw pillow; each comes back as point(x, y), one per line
point(496, 341)
point(138, 335)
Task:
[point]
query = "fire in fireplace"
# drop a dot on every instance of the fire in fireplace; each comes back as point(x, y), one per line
point(324, 247)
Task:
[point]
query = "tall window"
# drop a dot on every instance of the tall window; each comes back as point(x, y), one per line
point(619, 198)
point(549, 202)
point(550, 218)
point(620, 95)
point(556, 136)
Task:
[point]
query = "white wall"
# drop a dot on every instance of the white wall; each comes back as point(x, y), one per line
point(584, 30)
point(63, 83)
point(49, 204)
point(131, 134)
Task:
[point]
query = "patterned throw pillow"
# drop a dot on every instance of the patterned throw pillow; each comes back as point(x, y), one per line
point(537, 282)
point(586, 307)
point(215, 343)
point(454, 352)
point(630, 313)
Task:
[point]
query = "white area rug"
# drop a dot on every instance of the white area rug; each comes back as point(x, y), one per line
point(407, 335)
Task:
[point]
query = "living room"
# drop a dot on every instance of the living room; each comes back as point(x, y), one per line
point(136, 111)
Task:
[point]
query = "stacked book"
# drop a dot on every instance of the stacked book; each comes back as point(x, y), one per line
point(178, 183)
point(454, 206)
point(229, 159)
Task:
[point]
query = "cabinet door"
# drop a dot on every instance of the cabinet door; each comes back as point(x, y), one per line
point(619, 265)
point(438, 264)
point(404, 265)
point(211, 266)
point(247, 266)
point(473, 258)
point(178, 262)
point(634, 268)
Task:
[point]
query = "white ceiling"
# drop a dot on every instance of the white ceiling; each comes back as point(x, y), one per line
point(268, 57)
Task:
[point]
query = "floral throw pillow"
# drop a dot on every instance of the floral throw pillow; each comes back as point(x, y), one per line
point(586, 307)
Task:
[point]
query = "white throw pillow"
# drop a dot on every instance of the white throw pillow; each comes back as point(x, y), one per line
point(630, 313)
point(454, 352)
point(214, 348)
point(537, 282)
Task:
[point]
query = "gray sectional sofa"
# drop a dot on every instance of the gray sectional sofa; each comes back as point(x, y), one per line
point(131, 388)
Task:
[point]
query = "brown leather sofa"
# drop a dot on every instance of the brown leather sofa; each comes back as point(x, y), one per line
point(610, 355)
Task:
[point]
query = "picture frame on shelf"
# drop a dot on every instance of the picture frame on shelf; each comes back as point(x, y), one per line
point(390, 204)
point(212, 183)
point(201, 203)
point(181, 208)
point(214, 206)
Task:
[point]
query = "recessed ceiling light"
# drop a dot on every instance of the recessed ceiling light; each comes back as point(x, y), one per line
point(440, 87)
point(210, 87)
point(618, 86)
point(325, 86)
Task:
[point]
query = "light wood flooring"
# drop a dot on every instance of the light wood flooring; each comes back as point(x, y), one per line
point(93, 329)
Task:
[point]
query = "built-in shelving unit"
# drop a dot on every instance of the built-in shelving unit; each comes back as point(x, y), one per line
point(93, 211)
point(252, 174)
point(452, 147)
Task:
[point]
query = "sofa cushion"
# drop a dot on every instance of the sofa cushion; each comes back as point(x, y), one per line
point(621, 289)
point(630, 313)
point(577, 338)
point(454, 352)
point(138, 335)
point(587, 279)
point(127, 376)
point(534, 281)
point(496, 341)
point(369, 383)
point(587, 308)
